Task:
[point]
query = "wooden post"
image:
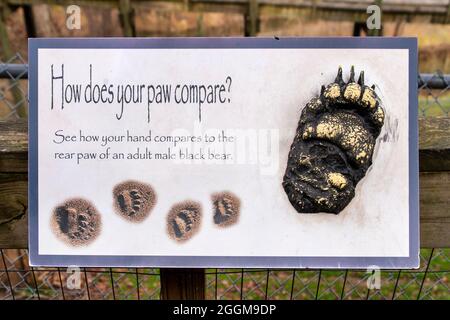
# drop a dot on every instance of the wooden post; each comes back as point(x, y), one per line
point(126, 18)
point(182, 284)
point(358, 27)
point(252, 18)
point(447, 18)
point(29, 21)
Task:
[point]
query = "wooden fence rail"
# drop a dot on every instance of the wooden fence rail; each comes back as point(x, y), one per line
point(434, 157)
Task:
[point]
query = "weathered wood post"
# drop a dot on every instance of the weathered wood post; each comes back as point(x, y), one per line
point(251, 18)
point(182, 284)
point(126, 18)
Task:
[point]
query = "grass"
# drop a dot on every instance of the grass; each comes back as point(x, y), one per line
point(429, 106)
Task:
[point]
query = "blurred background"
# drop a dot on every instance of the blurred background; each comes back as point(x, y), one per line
point(428, 20)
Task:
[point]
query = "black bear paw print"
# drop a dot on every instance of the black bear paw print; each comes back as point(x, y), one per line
point(333, 145)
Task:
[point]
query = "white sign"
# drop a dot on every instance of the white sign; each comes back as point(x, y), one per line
point(155, 152)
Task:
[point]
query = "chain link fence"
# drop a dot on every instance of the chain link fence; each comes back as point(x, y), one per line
point(20, 281)
point(13, 88)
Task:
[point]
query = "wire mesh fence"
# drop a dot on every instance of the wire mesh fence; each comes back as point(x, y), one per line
point(20, 281)
point(13, 88)
point(434, 95)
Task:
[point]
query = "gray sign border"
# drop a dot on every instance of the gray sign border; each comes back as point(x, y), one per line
point(411, 261)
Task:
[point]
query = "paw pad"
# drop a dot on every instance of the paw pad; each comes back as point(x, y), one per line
point(76, 222)
point(226, 207)
point(134, 200)
point(183, 220)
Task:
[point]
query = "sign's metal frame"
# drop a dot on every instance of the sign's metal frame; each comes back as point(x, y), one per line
point(410, 261)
